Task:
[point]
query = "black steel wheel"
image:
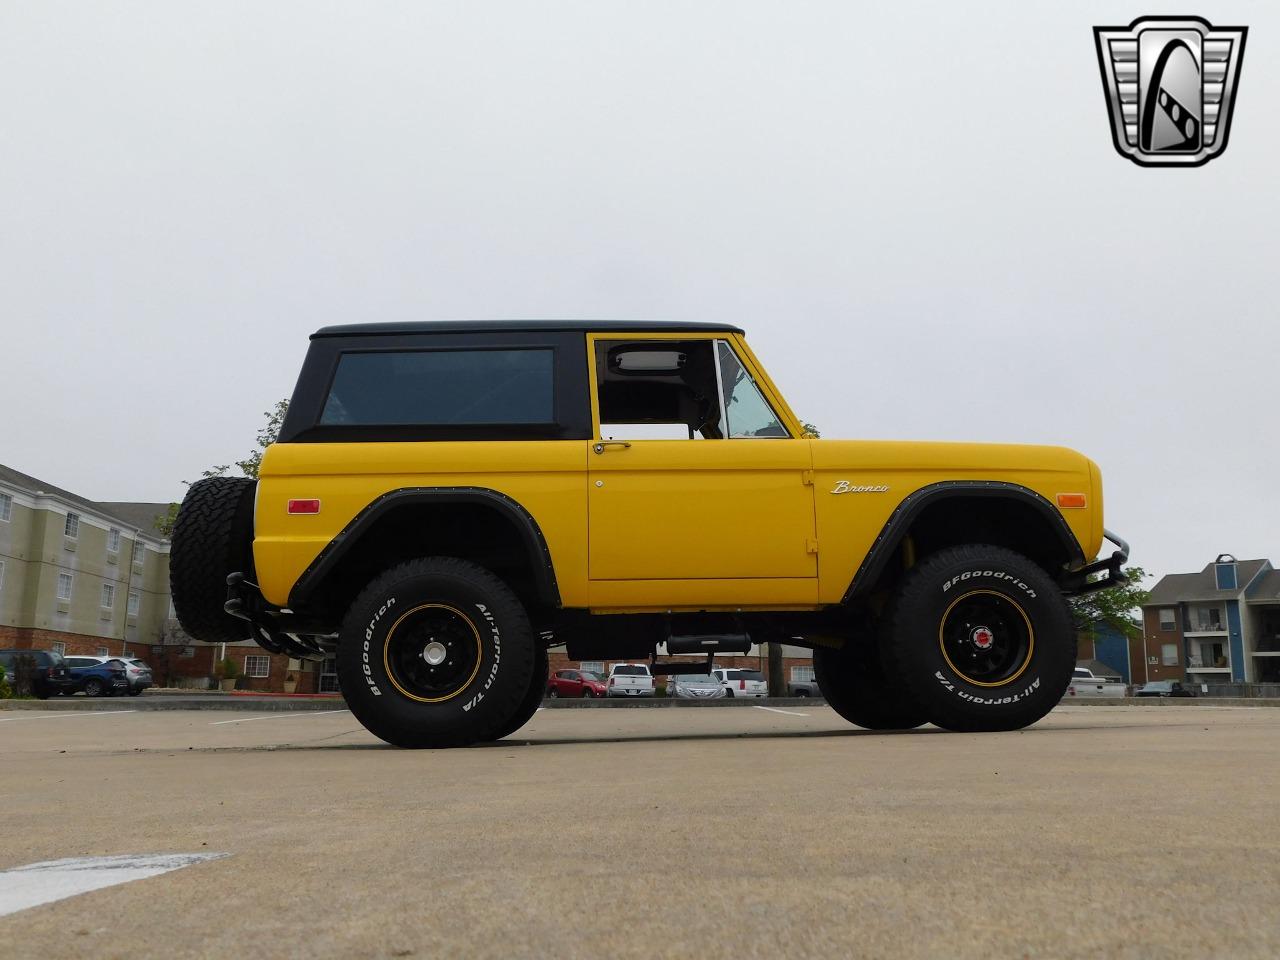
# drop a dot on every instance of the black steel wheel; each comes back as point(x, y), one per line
point(436, 652)
point(980, 638)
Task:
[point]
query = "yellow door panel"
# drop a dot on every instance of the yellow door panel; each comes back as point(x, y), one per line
point(700, 510)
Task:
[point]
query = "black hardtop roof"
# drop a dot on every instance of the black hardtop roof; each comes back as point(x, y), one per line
point(540, 326)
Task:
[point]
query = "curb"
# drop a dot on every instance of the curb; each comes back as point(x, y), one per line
point(270, 704)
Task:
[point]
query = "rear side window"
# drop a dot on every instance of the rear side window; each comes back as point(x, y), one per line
point(442, 388)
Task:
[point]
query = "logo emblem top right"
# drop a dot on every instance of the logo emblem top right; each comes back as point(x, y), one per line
point(1170, 84)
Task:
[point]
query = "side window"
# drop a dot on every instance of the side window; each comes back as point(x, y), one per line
point(677, 390)
point(442, 388)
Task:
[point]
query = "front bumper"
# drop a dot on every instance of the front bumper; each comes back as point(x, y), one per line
point(1078, 582)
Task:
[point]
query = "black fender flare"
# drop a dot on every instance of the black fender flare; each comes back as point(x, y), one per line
point(535, 543)
point(899, 522)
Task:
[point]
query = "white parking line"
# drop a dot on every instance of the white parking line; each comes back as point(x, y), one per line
point(72, 713)
point(24, 887)
point(789, 713)
point(278, 716)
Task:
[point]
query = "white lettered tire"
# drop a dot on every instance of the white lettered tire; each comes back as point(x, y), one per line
point(980, 639)
point(436, 652)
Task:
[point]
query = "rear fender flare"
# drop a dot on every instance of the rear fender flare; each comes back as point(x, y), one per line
point(535, 544)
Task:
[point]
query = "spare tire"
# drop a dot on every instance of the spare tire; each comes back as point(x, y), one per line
point(212, 537)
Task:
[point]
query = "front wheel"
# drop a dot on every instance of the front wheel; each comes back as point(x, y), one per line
point(94, 688)
point(436, 652)
point(981, 639)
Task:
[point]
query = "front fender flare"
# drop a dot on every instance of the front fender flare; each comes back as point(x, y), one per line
point(899, 522)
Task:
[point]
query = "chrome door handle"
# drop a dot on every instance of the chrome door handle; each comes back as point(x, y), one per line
point(601, 444)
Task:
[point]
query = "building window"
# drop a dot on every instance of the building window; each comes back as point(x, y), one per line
point(139, 552)
point(59, 648)
point(592, 666)
point(71, 528)
point(187, 653)
point(1168, 617)
point(64, 586)
point(108, 596)
point(1169, 654)
point(6, 507)
point(802, 674)
point(113, 540)
point(257, 666)
point(102, 652)
point(133, 604)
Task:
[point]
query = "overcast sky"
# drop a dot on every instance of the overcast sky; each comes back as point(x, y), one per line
point(914, 209)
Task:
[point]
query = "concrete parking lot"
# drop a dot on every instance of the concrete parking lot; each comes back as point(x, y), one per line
point(744, 832)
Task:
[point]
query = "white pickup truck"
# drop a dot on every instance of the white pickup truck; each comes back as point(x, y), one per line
point(1085, 684)
point(629, 680)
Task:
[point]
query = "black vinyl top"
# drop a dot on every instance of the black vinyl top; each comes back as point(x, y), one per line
point(506, 326)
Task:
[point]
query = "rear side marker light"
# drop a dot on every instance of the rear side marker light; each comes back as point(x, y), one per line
point(304, 506)
point(1072, 501)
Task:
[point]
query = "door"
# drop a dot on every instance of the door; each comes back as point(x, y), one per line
point(697, 487)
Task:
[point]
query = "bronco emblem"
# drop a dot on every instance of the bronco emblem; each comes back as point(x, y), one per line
point(1170, 84)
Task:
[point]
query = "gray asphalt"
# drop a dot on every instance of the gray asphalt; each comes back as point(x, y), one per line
point(1101, 831)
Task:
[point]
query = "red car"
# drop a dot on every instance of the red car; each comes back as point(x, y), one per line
point(575, 683)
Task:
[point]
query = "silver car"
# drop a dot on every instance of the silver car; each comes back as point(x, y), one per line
point(695, 686)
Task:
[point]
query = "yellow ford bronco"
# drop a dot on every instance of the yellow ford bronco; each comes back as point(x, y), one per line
point(448, 500)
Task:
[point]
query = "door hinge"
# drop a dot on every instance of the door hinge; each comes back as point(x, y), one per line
point(806, 478)
point(811, 545)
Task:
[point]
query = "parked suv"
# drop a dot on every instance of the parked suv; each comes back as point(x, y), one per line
point(742, 683)
point(447, 500)
point(98, 676)
point(575, 683)
point(49, 677)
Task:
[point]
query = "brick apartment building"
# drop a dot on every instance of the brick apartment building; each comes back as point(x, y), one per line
point(1220, 625)
point(83, 577)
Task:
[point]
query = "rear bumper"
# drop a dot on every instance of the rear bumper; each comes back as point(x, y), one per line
point(1078, 582)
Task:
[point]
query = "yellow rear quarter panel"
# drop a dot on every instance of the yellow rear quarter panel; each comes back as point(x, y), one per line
point(545, 476)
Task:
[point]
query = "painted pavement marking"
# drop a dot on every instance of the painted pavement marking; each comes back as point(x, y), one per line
point(278, 716)
point(789, 713)
point(38, 883)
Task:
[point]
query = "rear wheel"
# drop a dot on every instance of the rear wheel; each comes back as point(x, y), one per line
point(94, 688)
point(855, 685)
point(981, 639)
point(212, 537)
point(436, 652)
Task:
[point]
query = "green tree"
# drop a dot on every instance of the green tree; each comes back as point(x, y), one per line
point(267, 435)
point(1117, 607)
point(810, 429)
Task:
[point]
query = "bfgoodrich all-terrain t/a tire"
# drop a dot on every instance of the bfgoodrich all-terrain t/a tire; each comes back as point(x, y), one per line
point(855, 686)
point(980, 639)
point(212, 537)
point(436, 652)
